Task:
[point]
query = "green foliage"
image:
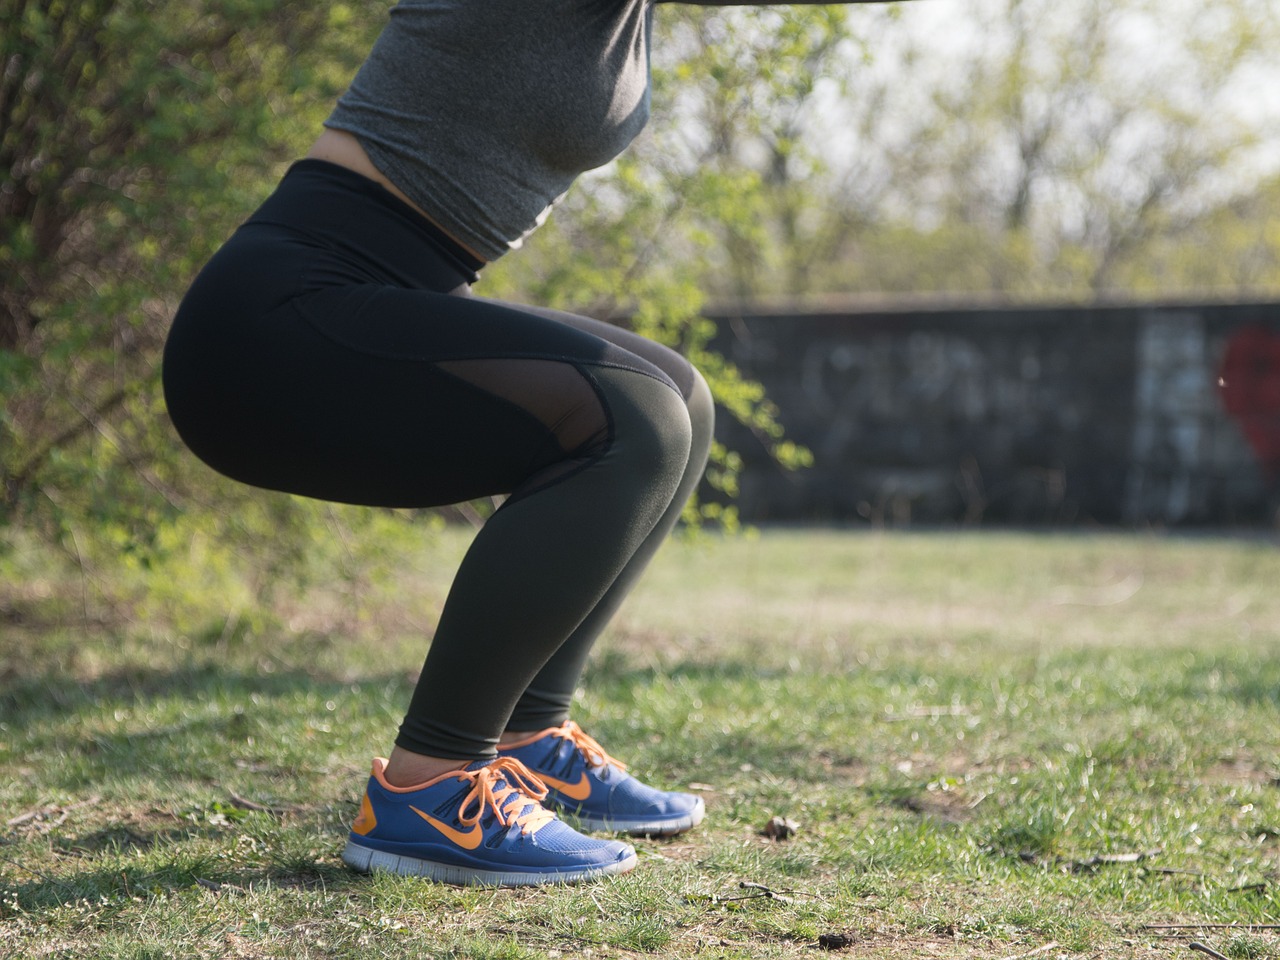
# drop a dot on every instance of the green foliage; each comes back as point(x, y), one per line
point(134, 134)
point(121, 183)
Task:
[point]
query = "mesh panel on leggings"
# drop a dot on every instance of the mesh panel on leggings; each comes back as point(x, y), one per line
point(554, 392)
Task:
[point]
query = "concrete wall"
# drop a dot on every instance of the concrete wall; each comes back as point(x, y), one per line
point(1126, 414)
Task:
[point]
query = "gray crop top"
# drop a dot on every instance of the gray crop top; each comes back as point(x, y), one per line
point(484, 111)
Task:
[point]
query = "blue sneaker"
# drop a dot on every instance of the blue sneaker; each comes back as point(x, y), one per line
point(588, 784)
point(481, 825)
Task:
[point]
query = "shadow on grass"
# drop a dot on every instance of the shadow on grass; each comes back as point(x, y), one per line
point(27, 699)
point(47, 712)
point(115, 888)
point(623, 668)
point(1250, 678)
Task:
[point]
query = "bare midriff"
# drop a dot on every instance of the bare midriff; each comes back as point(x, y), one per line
point(342, 148)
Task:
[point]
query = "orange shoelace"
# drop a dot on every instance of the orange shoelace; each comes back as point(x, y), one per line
point(507, 787)
point(596, 755)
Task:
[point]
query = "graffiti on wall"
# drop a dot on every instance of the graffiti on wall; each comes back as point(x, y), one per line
point(1249, 386)
point(1132, 414)
point(1171, 410)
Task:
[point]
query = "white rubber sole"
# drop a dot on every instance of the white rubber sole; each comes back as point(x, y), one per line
point(368, 860)
point(639, 827)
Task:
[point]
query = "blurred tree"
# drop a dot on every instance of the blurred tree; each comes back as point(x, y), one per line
point(133, 134)
point(1233, 248)
point(1040, 148)
point(742, 86)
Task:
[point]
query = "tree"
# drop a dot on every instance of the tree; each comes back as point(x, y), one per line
point(1048, 149)
point(133, 135)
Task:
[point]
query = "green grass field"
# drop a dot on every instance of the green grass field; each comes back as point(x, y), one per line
point(994, 744)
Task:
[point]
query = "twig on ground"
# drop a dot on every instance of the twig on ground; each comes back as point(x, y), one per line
point(1254, 887)
point(1089, 863)
point(1031, 953)
point(1199, 947)
point(926, 713)
point(1108, 859)
point(217, 887)
point(1211, 926)
point(244, 803)
point(762, 893)
point(765, 891)
point(35, 873)
point(45, 812)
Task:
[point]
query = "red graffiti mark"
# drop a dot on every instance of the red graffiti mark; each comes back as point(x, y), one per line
point(1249, 382)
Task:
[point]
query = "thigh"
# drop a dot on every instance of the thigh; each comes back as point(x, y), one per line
point(387, 396)
point(681, 372)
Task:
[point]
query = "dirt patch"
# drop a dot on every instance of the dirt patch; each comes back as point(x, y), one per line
point(841, 768)
point(1242, 770)
point(945, 806)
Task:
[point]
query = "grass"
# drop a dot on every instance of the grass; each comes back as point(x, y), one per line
point(993, 744)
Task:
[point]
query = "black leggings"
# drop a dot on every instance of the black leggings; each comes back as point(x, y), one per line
point(332, 348)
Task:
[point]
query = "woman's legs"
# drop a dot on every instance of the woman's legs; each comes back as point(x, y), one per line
point(387, 396)
point(539, 566)
point(546, 701)
point(322, 353)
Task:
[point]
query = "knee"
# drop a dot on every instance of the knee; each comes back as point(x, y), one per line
point(702, 413)
point(667, 435)
point(652, 431)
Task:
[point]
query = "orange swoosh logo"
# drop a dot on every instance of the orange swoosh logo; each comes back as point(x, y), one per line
point(468, 841)
point(574, 791)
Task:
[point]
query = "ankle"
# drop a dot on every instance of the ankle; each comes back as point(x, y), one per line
point(514, 736)
point(408, 769)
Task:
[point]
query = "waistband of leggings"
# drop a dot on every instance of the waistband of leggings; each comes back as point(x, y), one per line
point(349, 210)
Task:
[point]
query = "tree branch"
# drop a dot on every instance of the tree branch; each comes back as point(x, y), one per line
point(20, 478)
